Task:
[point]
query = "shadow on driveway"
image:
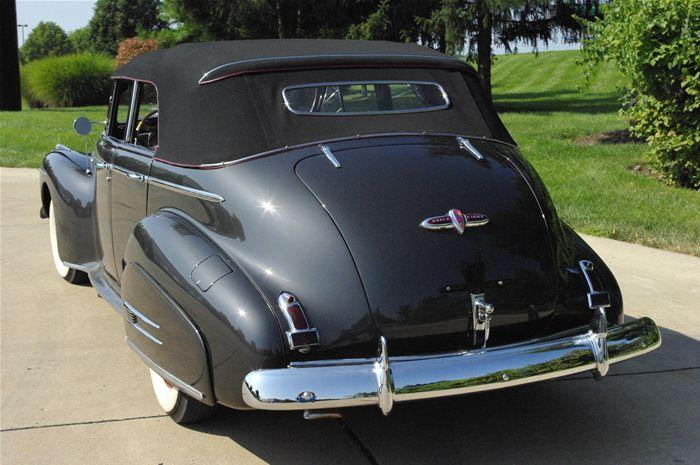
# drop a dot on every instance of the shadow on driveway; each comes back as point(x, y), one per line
point(645, 411)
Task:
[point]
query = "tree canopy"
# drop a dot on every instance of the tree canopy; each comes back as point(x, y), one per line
point(452, 26)
point(474, 26)
point(80, 40)
point(46, 39)
point(264, 19)
point(116, 20)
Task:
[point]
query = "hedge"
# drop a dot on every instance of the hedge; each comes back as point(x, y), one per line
point(67, 81)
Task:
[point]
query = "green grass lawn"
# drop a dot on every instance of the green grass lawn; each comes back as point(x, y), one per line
point(593, 186)
point(25, 137)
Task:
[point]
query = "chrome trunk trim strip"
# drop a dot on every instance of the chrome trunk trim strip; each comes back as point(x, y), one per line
point(331, 156)
point(464, 144)
point(385, 380)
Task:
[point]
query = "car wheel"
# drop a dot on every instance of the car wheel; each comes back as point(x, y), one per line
point(179, 406)
point(71, 275)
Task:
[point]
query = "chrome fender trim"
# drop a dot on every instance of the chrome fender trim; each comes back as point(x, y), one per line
point(333, 384)
point(192, 192)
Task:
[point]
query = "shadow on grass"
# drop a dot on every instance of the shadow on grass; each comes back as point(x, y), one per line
point(568, 100)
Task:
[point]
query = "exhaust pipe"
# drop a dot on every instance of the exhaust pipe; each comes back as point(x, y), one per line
point(321, 415)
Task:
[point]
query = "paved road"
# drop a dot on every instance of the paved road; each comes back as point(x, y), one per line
point(73, 393)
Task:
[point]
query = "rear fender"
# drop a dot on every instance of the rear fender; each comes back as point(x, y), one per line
point(206, 325)
point(67, 180)
point(575, 298)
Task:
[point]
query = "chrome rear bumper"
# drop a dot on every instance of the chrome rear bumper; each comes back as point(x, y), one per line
point(385, 380)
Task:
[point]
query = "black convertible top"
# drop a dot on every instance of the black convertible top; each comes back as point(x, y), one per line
point(222, 101)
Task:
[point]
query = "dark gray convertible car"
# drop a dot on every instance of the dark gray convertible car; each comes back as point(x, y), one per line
point(312, 225)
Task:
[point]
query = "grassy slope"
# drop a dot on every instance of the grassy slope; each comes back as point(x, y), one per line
point(592, 186)
point(537, 97)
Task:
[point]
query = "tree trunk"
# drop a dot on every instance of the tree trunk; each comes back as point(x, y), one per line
point(10, 97)
point(483, 46)
point(442, 43)
point(280, 21)
point(288, 12)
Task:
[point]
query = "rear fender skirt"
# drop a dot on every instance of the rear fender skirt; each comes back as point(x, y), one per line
point(190, 311)
point(71, 186)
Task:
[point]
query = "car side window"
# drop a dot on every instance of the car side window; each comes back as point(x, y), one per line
point(146, 123)
point(121, 101)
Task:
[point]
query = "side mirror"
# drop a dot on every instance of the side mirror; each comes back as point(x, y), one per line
point(82, 125)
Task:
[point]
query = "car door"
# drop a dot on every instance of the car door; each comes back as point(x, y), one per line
point(132, 162)
point(115, 132)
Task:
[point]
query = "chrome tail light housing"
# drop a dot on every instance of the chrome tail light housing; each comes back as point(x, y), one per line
point(300, 335)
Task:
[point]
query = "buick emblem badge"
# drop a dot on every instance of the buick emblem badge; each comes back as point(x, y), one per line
point(455, 219)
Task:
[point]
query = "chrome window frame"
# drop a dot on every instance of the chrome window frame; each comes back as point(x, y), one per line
point(446, 97)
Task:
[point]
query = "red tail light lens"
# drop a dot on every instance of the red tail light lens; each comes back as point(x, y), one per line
point(300, 334)
point(296, 314)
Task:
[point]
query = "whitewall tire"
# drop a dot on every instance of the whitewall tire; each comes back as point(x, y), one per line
point(69, 274)
point(166, 394)
point(179, 406)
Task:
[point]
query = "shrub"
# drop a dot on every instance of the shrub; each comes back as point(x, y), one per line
point(67, 81)
point(656, 44)
point(130, 48)
point(46, 39)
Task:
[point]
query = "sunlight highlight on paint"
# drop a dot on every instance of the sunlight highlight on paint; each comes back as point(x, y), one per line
point(268, 207)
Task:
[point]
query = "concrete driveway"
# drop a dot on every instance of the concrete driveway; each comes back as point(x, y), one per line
point(73, 393)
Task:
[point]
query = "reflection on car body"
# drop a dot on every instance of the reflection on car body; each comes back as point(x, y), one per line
point(312, 225)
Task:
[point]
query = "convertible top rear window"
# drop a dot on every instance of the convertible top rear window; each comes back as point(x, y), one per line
point(365, 97)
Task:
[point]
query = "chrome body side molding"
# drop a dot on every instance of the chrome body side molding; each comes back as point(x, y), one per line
point(382, 381)
point(140, 316)
point(196, 193)
point(128, 173)
point(134, 318)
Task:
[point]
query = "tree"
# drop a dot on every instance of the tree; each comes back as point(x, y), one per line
point(81, 40)
point(265, 19)
point(10, 97)
point(474, 26)
point(657, 46)
point(396, 20)
point(116, 20)
point(46, 39)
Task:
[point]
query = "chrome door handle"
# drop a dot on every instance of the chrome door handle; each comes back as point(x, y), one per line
point(100, 165)
point(135, 176)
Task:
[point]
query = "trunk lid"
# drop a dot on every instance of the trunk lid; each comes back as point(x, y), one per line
point(418, 281)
